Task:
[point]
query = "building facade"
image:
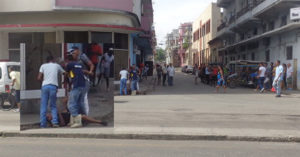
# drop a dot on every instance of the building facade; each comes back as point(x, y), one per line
point(77, 21)
point(261, 30)
point(172, 46)
point(204, 30)
point(185, 40)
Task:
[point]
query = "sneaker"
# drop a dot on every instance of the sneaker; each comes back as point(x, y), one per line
point(16, 110)
point(262, 90)
point(278, 96)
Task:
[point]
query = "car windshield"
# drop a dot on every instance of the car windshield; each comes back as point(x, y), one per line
point(13, 68)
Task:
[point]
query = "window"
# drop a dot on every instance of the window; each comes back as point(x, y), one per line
point(244, 57)
point(267, 56)
point(76, 37)
point(208, 27)
point(283, 20)
point(101, 37)
point(15, 39)
point(121, 41)
point(253, 56)
point(289, 53)
point(271, 25)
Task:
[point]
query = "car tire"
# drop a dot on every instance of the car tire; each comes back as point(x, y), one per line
point(1, 102)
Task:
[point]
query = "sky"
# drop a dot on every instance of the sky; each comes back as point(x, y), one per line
point(169, 14)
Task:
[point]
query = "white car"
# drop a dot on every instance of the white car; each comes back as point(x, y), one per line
point(5, 80)
point(189, 69)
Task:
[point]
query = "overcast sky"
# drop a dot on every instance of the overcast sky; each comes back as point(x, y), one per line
point(168, 14)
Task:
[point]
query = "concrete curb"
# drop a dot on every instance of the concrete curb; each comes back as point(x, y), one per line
point(154, 137)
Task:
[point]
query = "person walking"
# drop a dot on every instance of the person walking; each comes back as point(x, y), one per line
point(15, 77)
point(48, 74)
point(278, 78)
point(261, 77)
point(164, 74)
point(289, 76)
point(220, 80)
point(171, 73)
point(123, 81)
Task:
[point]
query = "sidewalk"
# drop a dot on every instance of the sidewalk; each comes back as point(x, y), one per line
point(194, 112)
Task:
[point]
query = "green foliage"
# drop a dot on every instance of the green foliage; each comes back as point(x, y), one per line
point(160, 55)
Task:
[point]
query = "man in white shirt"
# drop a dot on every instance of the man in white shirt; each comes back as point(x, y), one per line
point(49, 74)
point(261, 77)
point(171, 72)
point(15, 77)
point(289, 76)
point(278, 78)
point(164, 73)
point(123, 81)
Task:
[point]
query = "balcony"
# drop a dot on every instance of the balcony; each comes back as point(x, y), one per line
point(248, 8)
point(223, 3)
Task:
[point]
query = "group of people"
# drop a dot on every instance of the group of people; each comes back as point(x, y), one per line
point(276, 77)
point(161, 74)
point(75, 108)
point(213, 75)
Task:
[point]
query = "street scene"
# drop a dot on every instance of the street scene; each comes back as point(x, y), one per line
point(150, 78)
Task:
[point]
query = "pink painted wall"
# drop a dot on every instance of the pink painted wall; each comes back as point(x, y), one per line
point(123, 5)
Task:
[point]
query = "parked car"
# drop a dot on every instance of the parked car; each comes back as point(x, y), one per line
point(5, 82)
point(189, 69)
point(183, 68)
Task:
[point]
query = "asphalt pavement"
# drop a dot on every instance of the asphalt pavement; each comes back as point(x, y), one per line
point(45, 147)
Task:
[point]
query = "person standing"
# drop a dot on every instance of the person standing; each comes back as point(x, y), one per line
point(77, 94)
point(88, 66)
point(171, 73)
point(109, 58)
point(284, 83)
point(15, 77)
point(123, 81)
point(159, 74)
point(278, 78)
point(134, 78)
point(261, 77)
point(207, 74)
point(48, 74)
point(289, 76)
point(164, 74)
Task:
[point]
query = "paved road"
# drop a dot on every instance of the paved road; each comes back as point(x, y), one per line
point(14, 147)
point(198, 106)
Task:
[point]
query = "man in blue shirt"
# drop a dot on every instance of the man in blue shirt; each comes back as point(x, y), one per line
point(78, 84)
point(133, 78)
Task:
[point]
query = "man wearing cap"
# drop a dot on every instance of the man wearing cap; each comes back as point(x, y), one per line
point(48, 74)
point(89, 67)
point(78, 85)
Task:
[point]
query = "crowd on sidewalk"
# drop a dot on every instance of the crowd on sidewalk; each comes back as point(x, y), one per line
point(79, 72)
point(265, 77)
point(161, 74)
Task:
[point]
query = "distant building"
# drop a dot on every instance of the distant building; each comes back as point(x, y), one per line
point(204, 30)
point(172, 46)
point(261, 30)
point(185, 40)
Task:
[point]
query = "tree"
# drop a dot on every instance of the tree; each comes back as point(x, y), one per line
point(160, 54)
